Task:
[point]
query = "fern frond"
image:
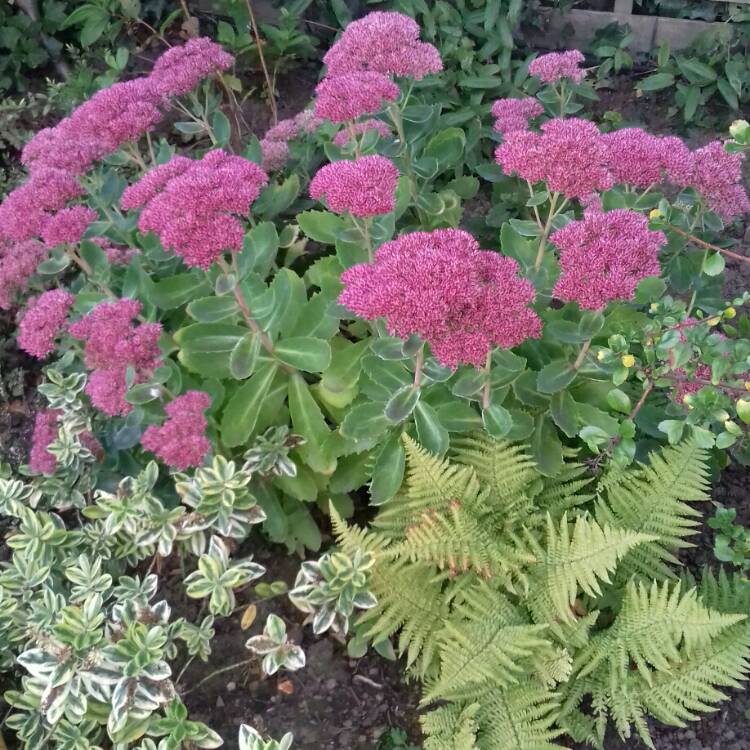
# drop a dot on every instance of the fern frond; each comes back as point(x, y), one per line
point(522, 718)
point(481, 654)
point(580, 562)
point(451, 727)
point(353, 538)
point(565, 491)
point(503, 469)
point(432, 483)
point(680, 695)
point(654, 500)
point(725, 593)
point(649, 629)
point(410, 599)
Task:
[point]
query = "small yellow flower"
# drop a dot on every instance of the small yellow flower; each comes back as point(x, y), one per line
point(714, 321)
point(655, 213)
point(628, 361)
point(654, 306)
point(730, 313)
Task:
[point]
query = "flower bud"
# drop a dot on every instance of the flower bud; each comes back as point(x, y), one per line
point(730, 313)
point(628, 360)
point(713, 321)
point(601, 355)
point(655, 214)
point(740, 130)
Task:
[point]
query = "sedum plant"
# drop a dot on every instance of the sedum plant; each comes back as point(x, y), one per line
point(533, 608)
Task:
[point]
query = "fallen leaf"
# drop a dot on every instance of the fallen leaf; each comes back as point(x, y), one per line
point(248, 617)
point(286, 687)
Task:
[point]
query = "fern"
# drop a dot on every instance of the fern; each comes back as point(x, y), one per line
point(581, 561)
point(451, 727)
point(532, 607)
point(654, 500)
point(649, 630)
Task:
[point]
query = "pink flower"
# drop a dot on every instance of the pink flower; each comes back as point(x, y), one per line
point(41, 461)
point(26, 210)
point(42, 322)
point(717, 176)
point(113, 344)
point(192, 206)
point(284, 130)
point(180, 69)
point(68, 226)
point(275, 155)
point(636, 157)
point(514, 114)
point(386, 43)
point(18, 261)
point(569, 155)
point(350, 95)
point(555, 66)
point(604, 256)
point(440, 286)
point(141, 192)
point(677, 159)
point(181, 442)
point(344, 136)
point(363, 187)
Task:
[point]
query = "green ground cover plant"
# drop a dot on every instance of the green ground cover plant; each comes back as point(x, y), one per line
point(243, 340)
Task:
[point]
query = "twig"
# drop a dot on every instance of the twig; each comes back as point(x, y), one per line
point(259, 43)
point(217, 672)
point(707, 245)
point(367, 681)
point(582, 355)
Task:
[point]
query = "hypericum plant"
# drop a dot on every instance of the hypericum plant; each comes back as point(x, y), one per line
point(250, 739)
point(533, 608)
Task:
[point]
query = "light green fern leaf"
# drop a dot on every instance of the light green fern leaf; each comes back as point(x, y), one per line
point(725, 593)
point(522, 718)
point(654, 500)
point(649, 630)
point(581, 562)
point(451, 727)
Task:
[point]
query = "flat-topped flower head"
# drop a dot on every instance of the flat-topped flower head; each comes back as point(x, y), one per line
point(514, 114)
point(180, 69)
point(344, 136)
point(114, 343)
point(555, 66)
point(363, 187)
point(717, 176)
point(192, 206)
point(18, 261)
point(68, 226)
point(385, 42)
point(181, 441)
point(284, 130)
point(350, 95)
point(569, 155)
point(604, 256)
point(638, 158)
point(441, 287)
point(275, 155)
point(307, 122)
point(43, 321)
point(25, 211)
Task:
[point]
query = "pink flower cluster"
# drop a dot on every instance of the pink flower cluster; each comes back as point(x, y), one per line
point(555, 66)
point(18, 261)
point(41, 461)
point(440, 286)
point(384, 42)
point(360, 63)
point(68, 225)
point(514, 114)
point(181, 442)
point(43, 320)
point(57, 156)
point(350, 95)
point(192, 205)
point(113, 344)
point(604, 256)
point(345, 136)
point(569, 155)
point(363, 187)
point(275, 143)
